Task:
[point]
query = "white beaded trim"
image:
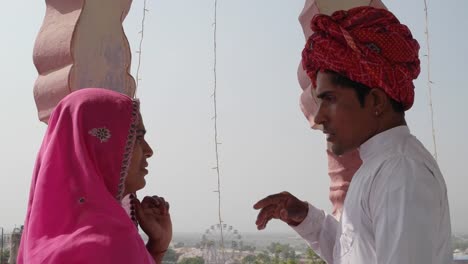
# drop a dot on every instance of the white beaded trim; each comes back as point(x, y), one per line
point(128, 149)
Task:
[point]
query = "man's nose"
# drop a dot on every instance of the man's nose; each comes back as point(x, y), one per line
point(319, 117)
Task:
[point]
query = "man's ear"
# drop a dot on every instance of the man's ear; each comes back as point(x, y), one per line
point(377, 101)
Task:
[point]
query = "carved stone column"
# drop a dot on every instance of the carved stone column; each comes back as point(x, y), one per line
point(81, 44)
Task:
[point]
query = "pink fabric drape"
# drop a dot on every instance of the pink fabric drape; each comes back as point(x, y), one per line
point(74, 210)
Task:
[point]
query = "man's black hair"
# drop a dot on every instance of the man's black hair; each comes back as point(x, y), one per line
point(361, 90)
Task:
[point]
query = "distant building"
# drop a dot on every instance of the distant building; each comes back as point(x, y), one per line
point(10, 242)
point(6, 241)
point(14, 245)
point(460, 258)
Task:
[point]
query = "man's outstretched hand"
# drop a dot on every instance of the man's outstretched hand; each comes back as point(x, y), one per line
point(283, 206)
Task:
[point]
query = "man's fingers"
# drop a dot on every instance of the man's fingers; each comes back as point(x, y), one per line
point(274, 206)
point(271, 199)
point(265, 222)
point(264, 214)
point(283, 214)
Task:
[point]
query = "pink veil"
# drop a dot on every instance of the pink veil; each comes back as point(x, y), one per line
point(74, 210)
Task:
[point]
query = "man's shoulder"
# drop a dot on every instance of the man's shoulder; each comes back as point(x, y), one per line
point(408, 150)
point(409, 164)
point(405, 161)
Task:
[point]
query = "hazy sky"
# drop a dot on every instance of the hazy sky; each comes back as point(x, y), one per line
point(267, 146)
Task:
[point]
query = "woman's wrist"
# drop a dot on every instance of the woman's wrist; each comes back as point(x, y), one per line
point(154, 249)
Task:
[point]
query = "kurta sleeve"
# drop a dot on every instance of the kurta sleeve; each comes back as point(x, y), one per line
point(319, 230)
point(405, 204)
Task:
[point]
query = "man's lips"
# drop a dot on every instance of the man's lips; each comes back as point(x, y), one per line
point(328, 135)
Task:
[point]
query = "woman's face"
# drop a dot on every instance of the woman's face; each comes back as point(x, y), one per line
point(138, 165)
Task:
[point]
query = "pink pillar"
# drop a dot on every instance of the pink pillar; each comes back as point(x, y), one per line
point(81, 44)
point(340, 169)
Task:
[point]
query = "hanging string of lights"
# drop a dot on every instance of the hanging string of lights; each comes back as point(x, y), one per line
point(140, 47)
point(215, 118)
point(429, 81)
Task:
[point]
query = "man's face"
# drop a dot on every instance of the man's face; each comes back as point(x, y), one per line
point(346, 123)
point(138, 165)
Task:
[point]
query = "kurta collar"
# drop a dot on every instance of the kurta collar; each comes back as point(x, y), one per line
point(382, 141)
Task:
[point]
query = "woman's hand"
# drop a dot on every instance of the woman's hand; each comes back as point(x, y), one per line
point(154, 218)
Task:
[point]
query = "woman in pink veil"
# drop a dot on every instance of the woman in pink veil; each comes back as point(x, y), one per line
point(91, 163)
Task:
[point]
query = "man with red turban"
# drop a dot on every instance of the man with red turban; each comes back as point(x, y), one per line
point(362, 63)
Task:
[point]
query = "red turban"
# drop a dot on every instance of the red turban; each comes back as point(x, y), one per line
point(367, 45)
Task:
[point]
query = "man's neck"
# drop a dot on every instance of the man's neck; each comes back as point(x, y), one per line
point(384, 126)
point(389, 121)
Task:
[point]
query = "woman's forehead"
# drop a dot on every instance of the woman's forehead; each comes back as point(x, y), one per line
point(141, 124)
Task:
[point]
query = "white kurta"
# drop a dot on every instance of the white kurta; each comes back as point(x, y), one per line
point(395, 212)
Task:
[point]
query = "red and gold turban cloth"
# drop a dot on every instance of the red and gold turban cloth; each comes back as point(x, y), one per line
point(368, 45)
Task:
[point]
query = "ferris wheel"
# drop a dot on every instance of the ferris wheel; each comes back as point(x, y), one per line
point(214, 251)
